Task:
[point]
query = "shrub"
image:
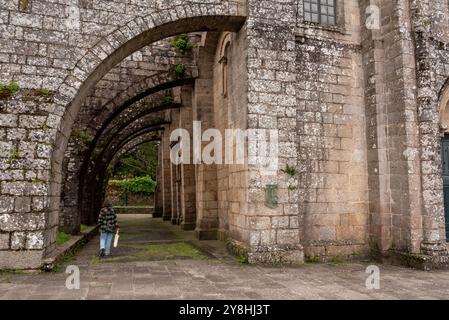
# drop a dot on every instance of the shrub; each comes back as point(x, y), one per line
point(182, 43)
point(140, 185)
point(180, 70)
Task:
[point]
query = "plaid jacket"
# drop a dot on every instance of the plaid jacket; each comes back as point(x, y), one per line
point(107, 220)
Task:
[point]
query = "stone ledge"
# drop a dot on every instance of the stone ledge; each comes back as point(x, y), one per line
point(272, 255)
point(71, 246)
point(417, 261)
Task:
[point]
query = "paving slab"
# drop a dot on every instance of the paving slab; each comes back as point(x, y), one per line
point(167, 263)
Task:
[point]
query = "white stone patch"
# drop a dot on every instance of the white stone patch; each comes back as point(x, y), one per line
point(358, 155)
point(410, 154)
point(73, 20)
point(35, 240)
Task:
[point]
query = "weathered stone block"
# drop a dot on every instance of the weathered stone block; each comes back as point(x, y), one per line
point(18, 240)
point(4, 241)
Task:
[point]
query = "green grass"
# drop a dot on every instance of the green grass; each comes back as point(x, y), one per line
point(335, 261)
point(69, 256)
point(312, 260)
point(83, 227)
point(160, 251)
point(62, 237)
point(168, 250)
point(243, 259)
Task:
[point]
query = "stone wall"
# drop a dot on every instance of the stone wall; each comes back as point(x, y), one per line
point(357, 111)
point(45, 45)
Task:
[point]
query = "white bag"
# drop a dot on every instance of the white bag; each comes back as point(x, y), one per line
point(116, 240)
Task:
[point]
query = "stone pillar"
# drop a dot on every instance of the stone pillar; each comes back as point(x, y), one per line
point(159, 192)
point(273, 231)
point(426, 25)
point(166, 165)
point(187, 186)
point(206, 175)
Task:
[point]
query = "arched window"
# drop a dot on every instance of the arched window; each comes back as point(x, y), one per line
point(224, 61)
point(320, 11)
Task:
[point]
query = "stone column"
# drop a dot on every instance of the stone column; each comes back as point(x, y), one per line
point(159, 192)
point(206, 175)
point(272, 225)
point(425, 27)
point(165, 146)
point(188, 206)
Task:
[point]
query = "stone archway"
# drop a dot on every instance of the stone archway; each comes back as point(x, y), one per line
point(262, 239)
point(120, 44)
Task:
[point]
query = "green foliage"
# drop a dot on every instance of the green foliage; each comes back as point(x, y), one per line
point(23, 4)
point(313, 260)
point(243, 259)
point(139, 185)
point(142, 161)
point(85, 137)
point(13, 87)
point(67, 257)
point(289, 170)
point(336, 261)
point(62, 237)
point(83, 228)
point(6, 91)
point(42, 92)
point(180, 70)
point(14, 155)
point(144, 185)
point(168, 100)
point(140, 251)
point(182, 43)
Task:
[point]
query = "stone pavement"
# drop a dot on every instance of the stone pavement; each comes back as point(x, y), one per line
point(155, 260)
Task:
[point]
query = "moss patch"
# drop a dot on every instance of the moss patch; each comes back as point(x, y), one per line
point(62, 237)
point(163, 251)
point(6, 91)
point(312, 260)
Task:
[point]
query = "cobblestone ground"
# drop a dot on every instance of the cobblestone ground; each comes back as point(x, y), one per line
point(157, 261)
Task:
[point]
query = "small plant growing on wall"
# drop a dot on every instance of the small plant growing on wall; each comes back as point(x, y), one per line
point(42, 92)
point(290, 170)
point(23, 4)
point(6, 91)
point(180, 70)
point(86, 138)
point(14, 155)
point(182, 43)
point(168, 100)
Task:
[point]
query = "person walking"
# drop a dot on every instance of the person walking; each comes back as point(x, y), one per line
point(107, 220)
